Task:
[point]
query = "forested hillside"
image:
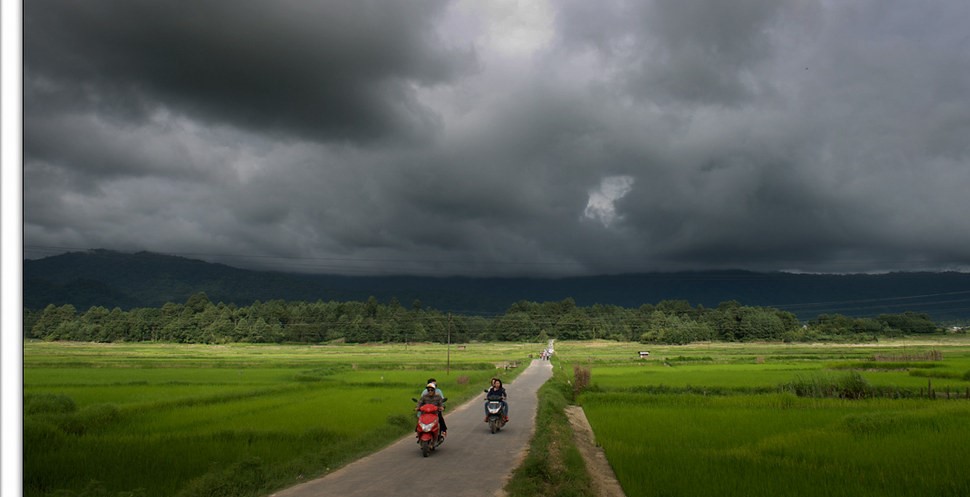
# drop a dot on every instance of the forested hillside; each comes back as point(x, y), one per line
point(112, 279)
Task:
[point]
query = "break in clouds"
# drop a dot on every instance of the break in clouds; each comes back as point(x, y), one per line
point(502, 138)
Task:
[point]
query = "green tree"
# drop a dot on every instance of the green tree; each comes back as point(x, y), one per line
point(92, 324)
point(909, 323)
point(115, 327)
point(574, 326)
point(760, 324)
point(220, 329)
point(145, 324)
point(515, 326)
point(676, 308)
point(676, 329)
point(197, 303)
point(417, 333)
point(31, 317)
point(49, 324)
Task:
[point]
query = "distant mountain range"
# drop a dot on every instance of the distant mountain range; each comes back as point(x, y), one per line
point(114, 279)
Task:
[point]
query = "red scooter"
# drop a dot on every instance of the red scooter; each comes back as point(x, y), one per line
point(428, 430)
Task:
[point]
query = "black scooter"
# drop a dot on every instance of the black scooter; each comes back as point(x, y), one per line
point(493, 405)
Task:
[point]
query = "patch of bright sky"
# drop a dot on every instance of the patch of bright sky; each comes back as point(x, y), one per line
point(601, 205)
point(517, 28)
point(499, 29)
point(505, 37)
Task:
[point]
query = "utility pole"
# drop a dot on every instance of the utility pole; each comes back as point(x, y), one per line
point(448, 362)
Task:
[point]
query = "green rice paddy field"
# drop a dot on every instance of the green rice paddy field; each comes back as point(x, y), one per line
point(197, 420)
point(711, 419)
point(728, 420)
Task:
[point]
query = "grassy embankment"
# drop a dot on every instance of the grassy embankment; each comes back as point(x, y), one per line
point(553, 466)
point(756, 419)
point(194, 420)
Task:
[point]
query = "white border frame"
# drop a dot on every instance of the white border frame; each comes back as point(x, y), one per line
point(11, 248)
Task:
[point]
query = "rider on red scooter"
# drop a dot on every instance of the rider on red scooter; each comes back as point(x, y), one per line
point(431, 396)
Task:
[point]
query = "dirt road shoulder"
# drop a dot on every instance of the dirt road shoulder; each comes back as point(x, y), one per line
point(604, 480)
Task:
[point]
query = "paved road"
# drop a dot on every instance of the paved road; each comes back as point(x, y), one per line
point(472, 462)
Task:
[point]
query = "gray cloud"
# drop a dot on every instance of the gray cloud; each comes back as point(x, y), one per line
point(468, 137)
point(341, 70)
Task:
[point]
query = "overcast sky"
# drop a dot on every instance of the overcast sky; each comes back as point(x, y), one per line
point(502, 137)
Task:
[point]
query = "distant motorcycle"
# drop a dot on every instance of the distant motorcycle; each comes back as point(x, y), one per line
point(428, 430)
point(493, 406)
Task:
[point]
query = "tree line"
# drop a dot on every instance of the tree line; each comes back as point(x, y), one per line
point(199, 320)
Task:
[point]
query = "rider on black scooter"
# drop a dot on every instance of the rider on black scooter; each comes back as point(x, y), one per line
point(497, 390)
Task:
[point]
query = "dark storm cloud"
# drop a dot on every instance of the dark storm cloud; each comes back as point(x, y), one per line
point(325, 70)
point(503, 137)
point(798, 129)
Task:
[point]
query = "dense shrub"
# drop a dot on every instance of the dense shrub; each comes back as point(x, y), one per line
point(850, 386)
point(581, 377)
point(48, 403)
point(42, 435)
point(90, 418)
